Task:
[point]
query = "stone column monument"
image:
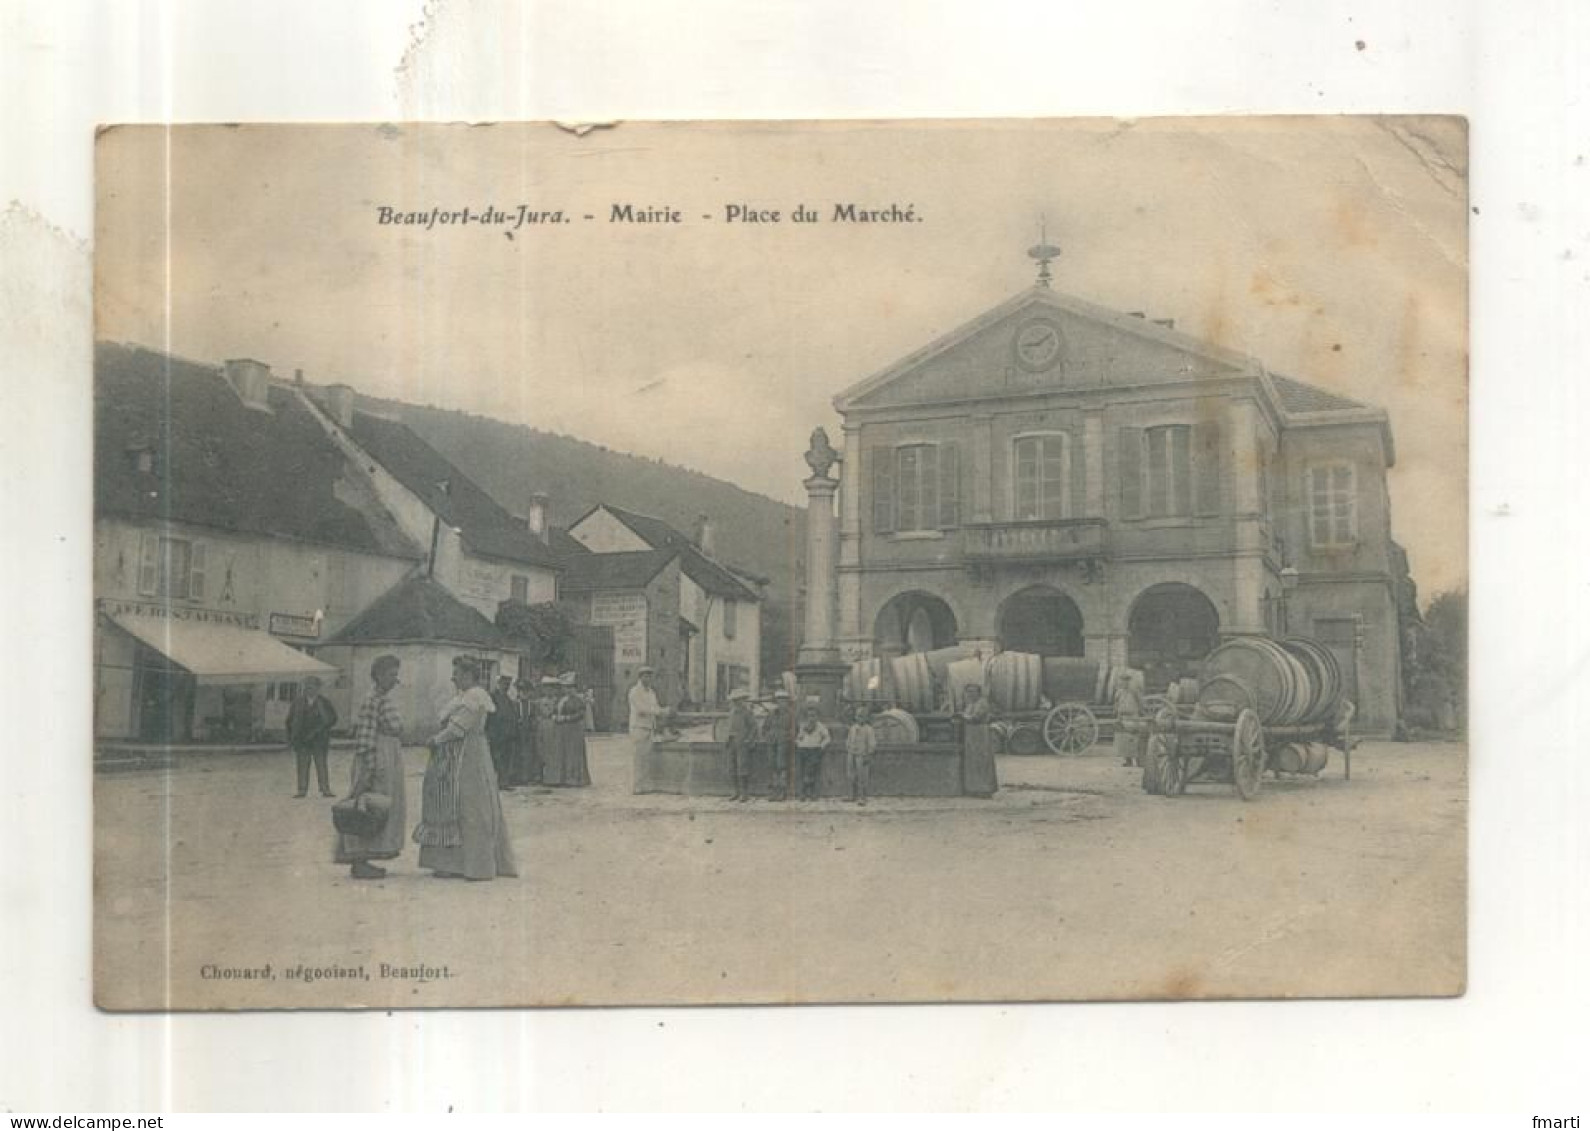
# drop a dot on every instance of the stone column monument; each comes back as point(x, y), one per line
point(818, 668)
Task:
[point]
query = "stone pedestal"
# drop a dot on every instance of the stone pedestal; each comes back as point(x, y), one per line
point(822, 681)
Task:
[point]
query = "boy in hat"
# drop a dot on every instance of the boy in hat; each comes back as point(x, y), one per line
point(860, 744)
point(810, 742)
point(742, 733)
point(778, 734)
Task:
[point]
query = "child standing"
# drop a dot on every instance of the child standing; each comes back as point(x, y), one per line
point(860, 744)
point(742, 732)
point(810, 742)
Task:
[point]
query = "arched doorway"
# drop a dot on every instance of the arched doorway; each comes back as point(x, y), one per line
point(1040, 619)
point(1171, 629)
point(913, 622)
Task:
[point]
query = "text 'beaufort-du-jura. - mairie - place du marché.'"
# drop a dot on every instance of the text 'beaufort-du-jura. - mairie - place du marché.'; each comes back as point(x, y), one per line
point(518, 216)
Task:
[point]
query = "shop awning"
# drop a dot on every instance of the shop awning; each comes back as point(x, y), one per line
point(222, 653)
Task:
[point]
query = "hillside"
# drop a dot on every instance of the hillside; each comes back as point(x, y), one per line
point(511, 461)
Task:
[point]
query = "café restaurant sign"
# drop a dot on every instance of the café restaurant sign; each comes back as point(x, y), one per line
point(295, 624)
point(161, 611)
point(626, 612)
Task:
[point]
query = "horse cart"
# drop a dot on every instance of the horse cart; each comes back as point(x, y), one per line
point(1258, 705)
point(1060, 703)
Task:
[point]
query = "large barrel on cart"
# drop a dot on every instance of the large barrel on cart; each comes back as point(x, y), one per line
point(1062, 698)
point(1292, 682)
point(921, 677)
point(1260, 704)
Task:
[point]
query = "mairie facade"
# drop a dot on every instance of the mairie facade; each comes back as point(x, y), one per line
point(1060, 478)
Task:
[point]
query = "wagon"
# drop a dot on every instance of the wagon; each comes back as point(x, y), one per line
point(1260, 705)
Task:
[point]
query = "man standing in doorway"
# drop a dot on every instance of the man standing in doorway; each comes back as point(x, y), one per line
point(309, 723)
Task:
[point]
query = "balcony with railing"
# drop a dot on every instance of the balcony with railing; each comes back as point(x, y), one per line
point(1045, 540)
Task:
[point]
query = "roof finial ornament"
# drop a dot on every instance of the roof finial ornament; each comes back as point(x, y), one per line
point(1044, 252)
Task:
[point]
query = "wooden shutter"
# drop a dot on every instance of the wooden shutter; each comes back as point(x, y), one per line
point(1206, 466)
point(1178, 464)
point(1130, 454)
point(148, 564)
point(1077, 480)
point(949, 485)
point(196, 572)
point(882, 490)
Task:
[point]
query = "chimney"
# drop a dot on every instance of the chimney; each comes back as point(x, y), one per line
point(703, 538)
point(537, 519)
point(251, 380)
point(340, 397)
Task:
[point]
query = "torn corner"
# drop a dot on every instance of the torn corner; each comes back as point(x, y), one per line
point(580, 129)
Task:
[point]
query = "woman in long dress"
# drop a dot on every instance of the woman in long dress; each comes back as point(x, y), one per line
point(569, 767)
point(462, 831)
point(378, 770)
point(546, 725)
point(978, 776)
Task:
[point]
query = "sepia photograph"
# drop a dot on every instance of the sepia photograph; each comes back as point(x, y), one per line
point(762, 563)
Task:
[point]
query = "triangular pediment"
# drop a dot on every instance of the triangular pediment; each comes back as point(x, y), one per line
point(1044, 340)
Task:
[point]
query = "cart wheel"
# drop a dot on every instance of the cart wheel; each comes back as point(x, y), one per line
point(1070, 729)
point(1247, 755)
point(1165, 756)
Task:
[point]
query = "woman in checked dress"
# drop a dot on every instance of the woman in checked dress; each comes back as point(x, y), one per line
point(377, 769)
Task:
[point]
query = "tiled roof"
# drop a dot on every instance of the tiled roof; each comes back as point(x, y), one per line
point(1298, 396)
point(420, 609)
point(589, 573)
point(488, 529)
point(218, 463)
point(564, 544)
point(705, 572)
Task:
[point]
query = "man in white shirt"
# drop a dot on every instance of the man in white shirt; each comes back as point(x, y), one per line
point(644, 711)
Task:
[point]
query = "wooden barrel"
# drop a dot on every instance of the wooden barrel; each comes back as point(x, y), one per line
point(1290, 757)
point(895, 727)
point(1318, 756)
point(1325, 675)
point(1102, 685)
point(864, 680)
point(913, 682)
point(1071, 679)
point(1014, 681)
point(940, 659)
point(1281, 686)
point(1301, 757)
point(960, 674)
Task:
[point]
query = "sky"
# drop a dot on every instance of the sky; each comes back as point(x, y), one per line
point(1333, 249)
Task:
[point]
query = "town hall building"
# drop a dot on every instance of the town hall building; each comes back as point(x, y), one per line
point(1060, 478)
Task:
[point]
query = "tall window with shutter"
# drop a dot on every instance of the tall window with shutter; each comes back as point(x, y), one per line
point(1170, 471)
point(1042, 477)
point(916, 487)
point(1332, 493)
point(171, 567)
